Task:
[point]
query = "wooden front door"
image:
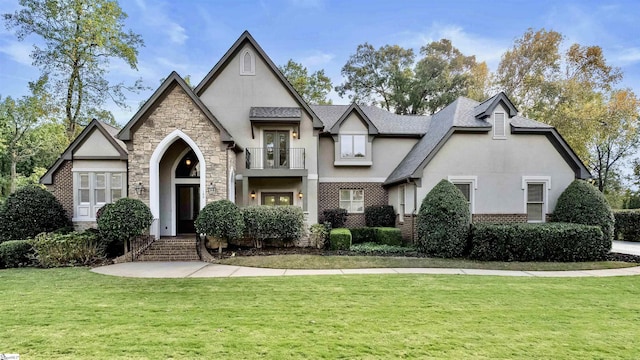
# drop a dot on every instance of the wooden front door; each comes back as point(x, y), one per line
point(187, 207)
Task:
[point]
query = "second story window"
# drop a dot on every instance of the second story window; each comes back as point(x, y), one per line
point(353, 146)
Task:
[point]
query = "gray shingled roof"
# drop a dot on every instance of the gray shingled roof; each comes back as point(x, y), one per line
point(522, 122)
point(113, 131)
point(267, 112)
point(386, 122)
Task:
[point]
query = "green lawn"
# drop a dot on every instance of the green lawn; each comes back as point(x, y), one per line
point(72, 313)
point(364, 262)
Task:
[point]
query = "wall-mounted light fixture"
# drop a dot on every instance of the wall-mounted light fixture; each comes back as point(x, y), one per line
point(294, 134)
point(300, 195)
point(188, 162)
point(211, 188)
point(253, 194)
point(138, 188)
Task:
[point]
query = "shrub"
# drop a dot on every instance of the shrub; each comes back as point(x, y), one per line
point(16, 253)
point(319, 236)
point(363, 235)
point(380, 216)
point(340, 239)
point(582, 203)
point(55, 250)
point(537, 242)
point(388, 236)
point(379, 249)
point(30, 211)
point(121, 221)
point(337, 217)
point(221, 219)
point(627, 225)
point(284, 223)
point(443, 221)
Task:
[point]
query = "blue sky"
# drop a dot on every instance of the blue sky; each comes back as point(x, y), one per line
point(191, 36)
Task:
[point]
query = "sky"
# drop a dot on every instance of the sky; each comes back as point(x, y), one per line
point(190, 36)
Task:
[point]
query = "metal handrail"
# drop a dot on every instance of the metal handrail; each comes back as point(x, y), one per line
point(274, 158)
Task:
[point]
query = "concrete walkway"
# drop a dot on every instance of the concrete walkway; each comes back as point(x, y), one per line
point(198, 269)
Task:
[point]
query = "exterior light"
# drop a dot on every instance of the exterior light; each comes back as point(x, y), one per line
point(253, 194)
point(211, 188)
point(300, 195)
point(188, 162)
point(138, 188)
point(294, 134)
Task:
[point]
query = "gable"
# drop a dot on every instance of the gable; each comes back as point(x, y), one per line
point(354, 123)
point(354, 119)
point(95, 145)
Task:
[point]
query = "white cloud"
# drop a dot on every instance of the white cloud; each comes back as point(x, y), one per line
point(307, 3)
point(157, 17)
point(18, 51)
point(317, 59)
point(626, 56)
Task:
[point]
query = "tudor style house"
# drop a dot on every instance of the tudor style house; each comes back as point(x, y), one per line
point(246, 135)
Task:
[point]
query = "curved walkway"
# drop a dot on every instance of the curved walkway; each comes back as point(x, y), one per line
point(198, 269)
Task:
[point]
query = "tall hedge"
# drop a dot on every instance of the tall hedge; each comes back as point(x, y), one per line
point(627, 226)
point(221, 219)
point(443, 221)
point(30, 211)
point(583, 203)
point(284, 223)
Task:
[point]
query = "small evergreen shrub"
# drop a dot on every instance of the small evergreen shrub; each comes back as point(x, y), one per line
point(284, 223)
point(388, 236)
point(443, 221)
point(76, 248)
point(340, 239)
point(380, 216)
point(30, 211)
point(583, 203)
point(16, 253)
point(221, 219)
point(319, 234)
point(337, 217)
point(121, 221)
point(537, 242)
point(363, 235)
point(627, 225)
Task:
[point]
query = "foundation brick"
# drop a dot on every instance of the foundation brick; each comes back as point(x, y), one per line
point(329, 198)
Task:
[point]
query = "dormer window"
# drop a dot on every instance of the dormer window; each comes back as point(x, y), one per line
point(247, 63)
point(499, 126)
point(353, 146)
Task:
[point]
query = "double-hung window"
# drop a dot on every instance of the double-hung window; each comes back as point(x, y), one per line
point(467, 184)
point(535, 197)
point(352, 200)
point(353, 146)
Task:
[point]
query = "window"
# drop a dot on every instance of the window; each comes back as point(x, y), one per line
point(535, 197)
point(247, 63)
point(499, 126)
point(353, 146)
point(94, 189)
point(277, 199)
point(352, 200)
point(467, 185)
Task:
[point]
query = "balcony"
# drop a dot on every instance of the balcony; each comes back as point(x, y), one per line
point(274, 158)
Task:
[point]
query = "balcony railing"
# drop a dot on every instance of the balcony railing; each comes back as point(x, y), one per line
point(274, 158)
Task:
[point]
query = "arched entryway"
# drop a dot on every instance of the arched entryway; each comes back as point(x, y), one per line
point(176, 189)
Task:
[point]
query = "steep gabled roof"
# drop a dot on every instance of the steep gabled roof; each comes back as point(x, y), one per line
point(235, 48)
point(107, 131)
point(486, 107)
point(170, 82)
point(372, 129)
point(386, 122)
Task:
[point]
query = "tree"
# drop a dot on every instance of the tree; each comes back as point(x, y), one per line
point(80, 38)
point(19, 119)
point(313, 88)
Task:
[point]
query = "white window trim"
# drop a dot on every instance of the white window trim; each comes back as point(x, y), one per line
point(504, 126)
point(402, 202)
point(467, 179)
point(536, 179)
point(351, 200)
point(354, 158)
point(93, 205)
point(243, 71)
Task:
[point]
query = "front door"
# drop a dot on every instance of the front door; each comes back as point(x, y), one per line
point(187, 207)
point(277, 199)
point(276, 144)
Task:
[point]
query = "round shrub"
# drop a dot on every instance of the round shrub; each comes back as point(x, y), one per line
point(121, 221)
point(582, 203)
point(336, 217)
point(443, 221)
point(221, 219)
point(30, 211)
point(16, 253)
point(380, 216)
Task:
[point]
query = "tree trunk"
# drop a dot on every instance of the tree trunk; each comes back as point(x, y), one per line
point(14, 174)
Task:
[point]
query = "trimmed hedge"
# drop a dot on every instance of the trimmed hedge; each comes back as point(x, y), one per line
point(627, 225)
point(443, 221)
point(388, 236)
point(363, 235)
point(121, 221)
point(583, 203)
point(221, 219)
point(538, 242)
point(340, 239)
point(380, 216)
point(30, 211)
point(55, 250)
point(16, 253)
point(336, 217)
point(284, 223)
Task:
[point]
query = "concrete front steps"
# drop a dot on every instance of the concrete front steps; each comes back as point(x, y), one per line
point(179, 248)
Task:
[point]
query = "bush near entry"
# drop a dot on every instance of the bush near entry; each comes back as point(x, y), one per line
point(380, 216)
point(336, 217)
point(443, 221)
point(122, 220)
point(284, 223)
point(221, 219)
point(340, 239)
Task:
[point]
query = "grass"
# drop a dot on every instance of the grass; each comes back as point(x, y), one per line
point(363, 262)
point(75, 314)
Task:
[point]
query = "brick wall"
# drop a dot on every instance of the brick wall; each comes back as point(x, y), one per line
point(62, 187)
point(499, 218)
point(329, 198)
point(407, 227)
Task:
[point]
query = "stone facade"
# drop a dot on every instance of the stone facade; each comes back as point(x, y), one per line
point(329, 198)
point(177, 111)
point(62, 187)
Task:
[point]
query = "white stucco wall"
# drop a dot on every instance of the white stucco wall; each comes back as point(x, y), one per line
point(96, 145)
point(97, 165)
